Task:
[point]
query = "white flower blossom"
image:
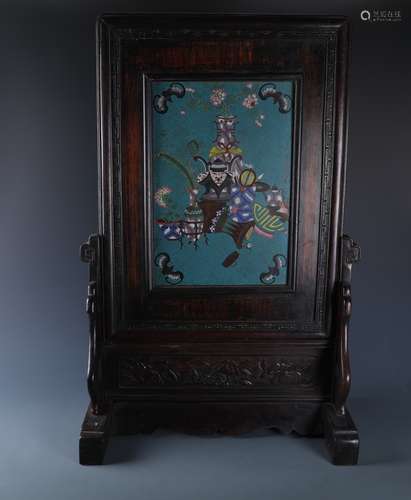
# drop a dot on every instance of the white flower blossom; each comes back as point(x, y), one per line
point(217, 97)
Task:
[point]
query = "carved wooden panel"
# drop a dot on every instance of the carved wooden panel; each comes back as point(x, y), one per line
point(219, 371)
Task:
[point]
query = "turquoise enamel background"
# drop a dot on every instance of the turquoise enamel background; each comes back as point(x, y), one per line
point(221, 160)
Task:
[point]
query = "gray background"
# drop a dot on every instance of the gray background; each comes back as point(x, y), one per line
point(48, 205)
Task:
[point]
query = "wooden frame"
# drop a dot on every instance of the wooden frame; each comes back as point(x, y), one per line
point(256, 356)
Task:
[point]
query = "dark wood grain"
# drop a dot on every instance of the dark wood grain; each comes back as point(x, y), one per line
point(230, 358)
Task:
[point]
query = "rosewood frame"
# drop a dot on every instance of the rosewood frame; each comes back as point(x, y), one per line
point(283, 360)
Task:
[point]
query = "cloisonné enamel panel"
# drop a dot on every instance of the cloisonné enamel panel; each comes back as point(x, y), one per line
point(221, 177)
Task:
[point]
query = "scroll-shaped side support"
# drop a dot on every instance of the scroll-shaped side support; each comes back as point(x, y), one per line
point(340, 432)
point(96, 424)
point(350, 253)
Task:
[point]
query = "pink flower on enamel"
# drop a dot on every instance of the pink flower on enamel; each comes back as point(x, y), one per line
point(250, 101)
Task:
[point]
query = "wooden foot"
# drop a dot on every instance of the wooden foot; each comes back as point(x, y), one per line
point(94, 436)
point(341, 436)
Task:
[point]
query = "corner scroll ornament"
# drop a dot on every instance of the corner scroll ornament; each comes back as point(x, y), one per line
point(90, 253)
point(269, 90)
point(350, 253)
point(160, 102)
point(163, 261)
point(268, 278)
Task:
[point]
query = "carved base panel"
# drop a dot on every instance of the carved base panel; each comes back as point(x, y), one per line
point(198, 376)
point(219, 371)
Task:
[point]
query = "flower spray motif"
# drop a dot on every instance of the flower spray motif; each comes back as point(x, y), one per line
point(170, 228)
point(217, 97)
point(161, 196)
point(250, 102)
